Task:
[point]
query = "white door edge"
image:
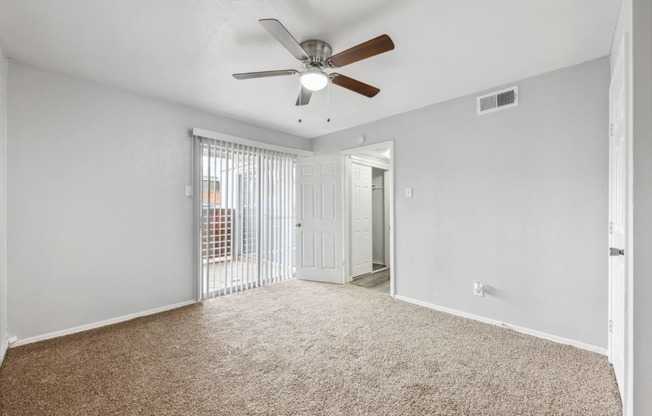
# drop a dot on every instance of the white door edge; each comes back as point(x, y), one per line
point(619, 307)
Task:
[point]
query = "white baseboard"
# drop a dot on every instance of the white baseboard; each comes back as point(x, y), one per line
point(528, 331)
point(516, 328)
point(94, 325)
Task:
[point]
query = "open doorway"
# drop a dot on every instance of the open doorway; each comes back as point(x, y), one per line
point(368, 216)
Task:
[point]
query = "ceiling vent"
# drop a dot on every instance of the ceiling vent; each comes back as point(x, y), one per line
point(498, 100)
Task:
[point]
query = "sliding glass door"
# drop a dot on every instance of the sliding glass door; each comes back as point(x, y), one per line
point(245, 212)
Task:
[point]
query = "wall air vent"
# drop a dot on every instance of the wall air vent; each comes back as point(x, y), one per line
point(498, 100)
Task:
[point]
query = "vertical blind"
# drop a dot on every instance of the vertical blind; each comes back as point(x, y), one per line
point(245, 211)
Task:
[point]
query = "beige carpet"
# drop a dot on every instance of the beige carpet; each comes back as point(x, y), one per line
point(299, 348)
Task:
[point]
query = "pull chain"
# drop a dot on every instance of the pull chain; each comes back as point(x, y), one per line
point(328, 102)
point(300, 102)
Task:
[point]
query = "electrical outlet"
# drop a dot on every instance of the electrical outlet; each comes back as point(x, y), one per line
point(478, 289)
point(188, 191)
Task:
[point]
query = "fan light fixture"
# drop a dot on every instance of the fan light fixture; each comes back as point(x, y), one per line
point(316, 56)
point(314, 80)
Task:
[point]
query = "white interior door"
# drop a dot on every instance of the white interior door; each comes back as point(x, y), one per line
point(361, 213)
point(319, 219)
point(618, 172)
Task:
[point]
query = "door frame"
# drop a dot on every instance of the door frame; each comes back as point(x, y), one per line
point(346, 206)
point(387, 178)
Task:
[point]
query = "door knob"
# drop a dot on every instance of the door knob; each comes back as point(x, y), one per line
point(616, 251)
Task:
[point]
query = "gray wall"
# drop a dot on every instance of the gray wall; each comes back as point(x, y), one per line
point(515, 199)
point(3, 205)
point(642, 133)
point(98, 222)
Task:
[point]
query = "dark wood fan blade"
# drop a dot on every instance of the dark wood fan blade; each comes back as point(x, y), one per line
point(354, 85)
point(304, 96)
point(373, 47)
point(264, 74)
point(276, 29)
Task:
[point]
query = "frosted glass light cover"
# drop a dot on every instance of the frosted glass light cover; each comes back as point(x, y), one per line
point(313, 80)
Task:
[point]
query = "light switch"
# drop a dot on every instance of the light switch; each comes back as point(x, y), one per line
point(408, 192)
point(478, 289)
point(188, 191)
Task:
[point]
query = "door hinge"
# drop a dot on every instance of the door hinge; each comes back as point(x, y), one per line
point(611, 326)
point(611, 129)
point(611, 227)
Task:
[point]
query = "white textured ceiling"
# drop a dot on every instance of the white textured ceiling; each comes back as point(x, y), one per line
point(186, 50)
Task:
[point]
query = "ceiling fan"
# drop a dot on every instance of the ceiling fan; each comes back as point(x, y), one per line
point(316, 56)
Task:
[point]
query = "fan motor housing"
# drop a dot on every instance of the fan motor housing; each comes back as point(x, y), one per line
point(318, 50)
